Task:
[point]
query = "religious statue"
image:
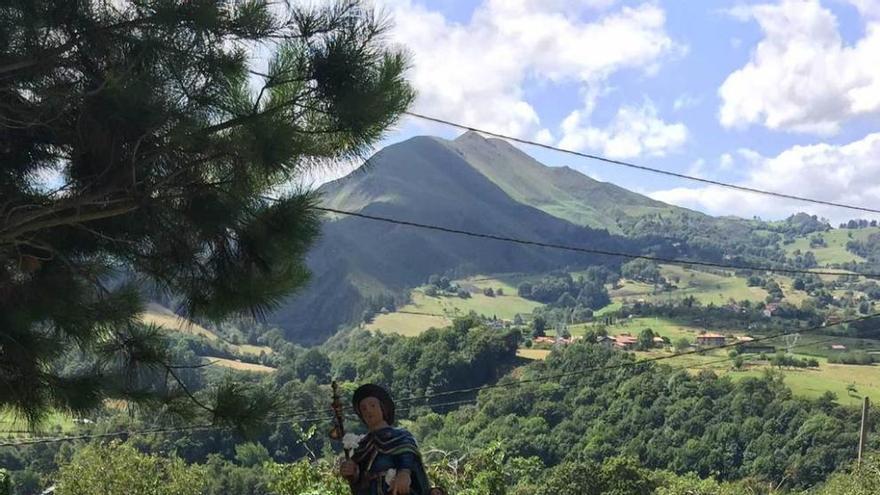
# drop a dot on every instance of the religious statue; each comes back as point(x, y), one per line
point(385, 461)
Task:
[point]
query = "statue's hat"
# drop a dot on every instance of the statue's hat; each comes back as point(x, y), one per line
point(372, 390)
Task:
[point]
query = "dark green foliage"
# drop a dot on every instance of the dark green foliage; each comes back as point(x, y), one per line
point(313, 363)
point(160, 158)
point(569, 299)
point(854, 357)
point(463, 356)
point(667, 419)
point(616, 475)
point(539, 326)
point(869, 248)
point(641, 270)
point(646, 339)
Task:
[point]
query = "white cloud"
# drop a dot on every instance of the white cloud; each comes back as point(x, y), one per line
point(476, 72)
point(686, 101)
point(698, 168)
point(726, 162)
point(847, 173)
point(634, 131)
point(868, 8)
point(803, 76)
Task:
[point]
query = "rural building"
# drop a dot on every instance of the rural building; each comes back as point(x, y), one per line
point(605, 341)
point(659, 342)
point(625, 342)
point(771, 310)
point(711, 339)
point(838, 347)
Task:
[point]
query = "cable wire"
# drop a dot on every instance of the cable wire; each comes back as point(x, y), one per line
point(588, 250)
point(447, 393)
point(643, 167)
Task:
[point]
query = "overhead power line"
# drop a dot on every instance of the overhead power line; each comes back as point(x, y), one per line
point(643, 167)
point(579, 249)
point(559, 376)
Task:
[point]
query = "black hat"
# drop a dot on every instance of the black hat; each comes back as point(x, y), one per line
point(371, 390)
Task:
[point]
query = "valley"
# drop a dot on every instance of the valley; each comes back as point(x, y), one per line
point(848, 382)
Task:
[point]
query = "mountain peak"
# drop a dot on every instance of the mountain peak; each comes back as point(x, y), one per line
point(471, 136)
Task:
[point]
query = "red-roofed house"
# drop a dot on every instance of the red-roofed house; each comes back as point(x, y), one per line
point(625, 342)
point(771, 310)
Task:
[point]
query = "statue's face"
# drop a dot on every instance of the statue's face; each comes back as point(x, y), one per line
point(371, 411)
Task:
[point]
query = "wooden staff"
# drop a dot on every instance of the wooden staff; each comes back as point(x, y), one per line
point(338, 430)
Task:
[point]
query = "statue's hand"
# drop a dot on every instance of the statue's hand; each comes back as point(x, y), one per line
point(401, 483)
point(349, 470)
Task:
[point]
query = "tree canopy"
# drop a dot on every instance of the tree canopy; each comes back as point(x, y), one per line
point(144, 146)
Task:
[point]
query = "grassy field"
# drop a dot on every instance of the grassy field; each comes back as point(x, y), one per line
point(162, 317)
point(56, 421)
point(706, 287)
point(836, 240)
point(408, 325)
point(812, 383)
point(505, 307)
point(533, 354)
point(238, 365)
point(661, 326)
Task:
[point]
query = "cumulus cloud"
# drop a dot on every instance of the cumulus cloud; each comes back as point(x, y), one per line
point(802, 76)
point(848, 173)
point(475, 72)
point(634, 131)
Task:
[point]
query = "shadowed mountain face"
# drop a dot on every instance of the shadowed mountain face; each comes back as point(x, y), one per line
point(470, 184)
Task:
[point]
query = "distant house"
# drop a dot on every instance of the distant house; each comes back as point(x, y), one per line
point(711, 339)
point(734, 307)
point(625, 342)
point(838, 347)
point(605, 341)
point(832, 320)
point(544, 340)
point(659, 342)
point(771, 310)
point(745, 339)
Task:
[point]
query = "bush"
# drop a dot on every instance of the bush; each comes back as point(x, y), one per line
point(855, 357)
point(119, 469)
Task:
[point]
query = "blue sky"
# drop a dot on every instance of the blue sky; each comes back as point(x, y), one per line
point(781, 95)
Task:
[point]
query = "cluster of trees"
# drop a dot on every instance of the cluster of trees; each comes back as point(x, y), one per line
point(581, 295)
point(538, 437)
point(643, 271)
point(376, 304)
point(439, 285)
point(859, 223)
point(799, 224)
point(666, 418)
point(783, 360)
point(868, 249)
point(854, 357)
point(122, 469)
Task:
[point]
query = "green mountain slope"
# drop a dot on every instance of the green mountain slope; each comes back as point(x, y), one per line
point(423, 180)
point(559, 191)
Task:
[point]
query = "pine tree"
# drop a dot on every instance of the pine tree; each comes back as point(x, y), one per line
point(141, 144)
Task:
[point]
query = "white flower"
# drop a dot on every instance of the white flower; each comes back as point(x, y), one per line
point(350, 441)
point(389, 476)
